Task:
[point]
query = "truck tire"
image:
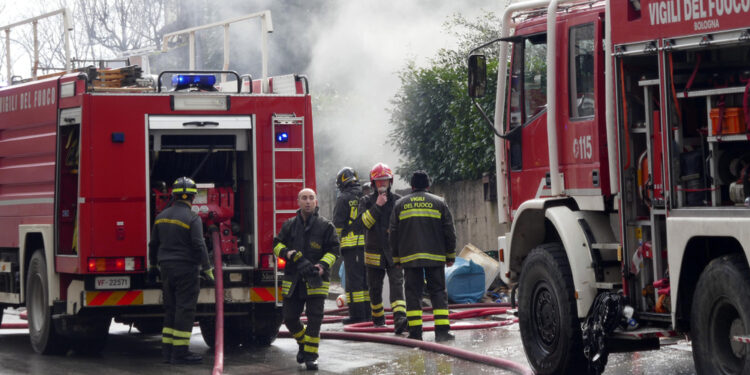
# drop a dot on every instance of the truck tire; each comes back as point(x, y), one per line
point(267, 320)
point(44, 337)
point(721, 309)
point(548, 317)
point(236, 331)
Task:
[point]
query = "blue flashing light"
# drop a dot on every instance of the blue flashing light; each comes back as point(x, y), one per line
point(282, 137)
point(193, 80)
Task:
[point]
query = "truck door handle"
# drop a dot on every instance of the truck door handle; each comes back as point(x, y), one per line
point(200, 123)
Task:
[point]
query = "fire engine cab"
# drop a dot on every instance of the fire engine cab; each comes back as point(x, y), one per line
point(87, 160)
point(623, 172)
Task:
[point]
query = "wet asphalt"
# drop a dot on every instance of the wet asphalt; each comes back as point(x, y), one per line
point(129, 352)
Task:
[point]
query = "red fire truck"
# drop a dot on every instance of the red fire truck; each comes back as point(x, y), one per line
point(85, 166)
point(623, 169)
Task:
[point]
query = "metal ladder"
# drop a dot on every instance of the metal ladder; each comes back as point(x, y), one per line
point(293, 126)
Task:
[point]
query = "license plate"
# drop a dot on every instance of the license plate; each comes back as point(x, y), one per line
point(112, 282)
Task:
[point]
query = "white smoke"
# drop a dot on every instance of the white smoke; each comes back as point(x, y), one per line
point(359, 49)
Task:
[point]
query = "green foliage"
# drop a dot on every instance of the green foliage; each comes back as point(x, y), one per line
point(436, 127)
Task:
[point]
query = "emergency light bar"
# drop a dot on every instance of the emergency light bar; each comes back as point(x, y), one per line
point(191, 80)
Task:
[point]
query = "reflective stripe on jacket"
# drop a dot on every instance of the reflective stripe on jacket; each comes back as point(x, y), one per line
point(374, 219)
point(317, 241)
point(177, 235)
point(421, 231)
point(344, 214)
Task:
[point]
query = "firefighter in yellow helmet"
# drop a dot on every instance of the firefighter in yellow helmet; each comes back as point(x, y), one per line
point(178, 247)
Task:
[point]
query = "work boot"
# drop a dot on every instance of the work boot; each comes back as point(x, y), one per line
point(301, 354)
point(311, 361)
point(443, 336)
point(166, 353)
point(311, 365)
point(415, 333)
point(400, 324)
point(181, 356)
point(379, 321)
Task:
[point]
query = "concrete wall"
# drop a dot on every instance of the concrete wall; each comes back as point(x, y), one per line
point(475, 219)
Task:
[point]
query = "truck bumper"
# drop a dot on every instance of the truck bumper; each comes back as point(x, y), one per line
point(79, 297)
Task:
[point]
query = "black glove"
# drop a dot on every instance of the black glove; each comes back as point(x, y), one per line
point(313, 278)
point(153, 274)
point(304, 267)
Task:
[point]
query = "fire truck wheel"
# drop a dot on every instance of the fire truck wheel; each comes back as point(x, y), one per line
point(721, 310)
point(548, 318)
point(236, 331)
point(266, 324)
point(44, 337)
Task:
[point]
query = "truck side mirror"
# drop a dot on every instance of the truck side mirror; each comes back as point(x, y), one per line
point(477, 75)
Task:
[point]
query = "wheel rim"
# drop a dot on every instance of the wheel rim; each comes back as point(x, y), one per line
point(726, 323)
point(36, 313)
point(545, 315)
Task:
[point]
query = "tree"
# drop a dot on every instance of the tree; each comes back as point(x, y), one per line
point(436, 127)
point(122, 25)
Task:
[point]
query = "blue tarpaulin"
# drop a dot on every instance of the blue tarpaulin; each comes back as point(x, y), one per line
point(465, 281)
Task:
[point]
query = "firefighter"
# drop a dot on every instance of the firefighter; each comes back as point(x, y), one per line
point(178, 247)
point(352, 245)
point(423, 241)
point(375, 209)
point(367, 188)
point(309, 244)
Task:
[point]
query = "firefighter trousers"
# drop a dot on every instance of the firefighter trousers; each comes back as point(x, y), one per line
point(180, 289)
point(415, 284)
point(375, 277)
point(308, 338)
point(357, 295)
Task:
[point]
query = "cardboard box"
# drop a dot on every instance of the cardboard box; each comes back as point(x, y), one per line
point(491, 266)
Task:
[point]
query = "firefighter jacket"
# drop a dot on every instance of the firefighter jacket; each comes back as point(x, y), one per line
point(344, 214)
point(317, 241)
point(178, 236)
point(421, 231)
point(375, 221)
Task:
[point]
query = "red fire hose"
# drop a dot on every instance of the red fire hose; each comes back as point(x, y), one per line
point(219, 294)
point(431, 346)
point(364, 332)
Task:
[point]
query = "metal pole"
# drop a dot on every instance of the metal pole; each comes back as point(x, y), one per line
point(614, 185)
point(226, 53)
point(264, 54)
point(7, 56)
point(191, 44)
point(66, 32)
point(554, 164)
point(36, 51)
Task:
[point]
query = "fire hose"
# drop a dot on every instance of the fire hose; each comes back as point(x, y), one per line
point(365, 332)
point(219, 295)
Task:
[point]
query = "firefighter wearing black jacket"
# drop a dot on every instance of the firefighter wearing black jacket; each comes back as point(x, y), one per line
point(375, 210)
point(310, 245)
point(352, 245)
point(178, 247)
point(423, 241)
